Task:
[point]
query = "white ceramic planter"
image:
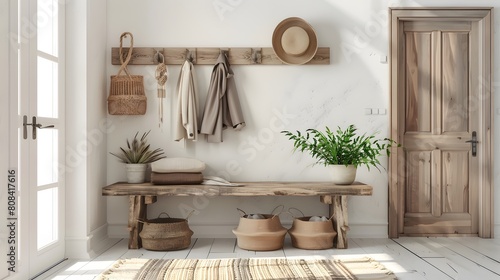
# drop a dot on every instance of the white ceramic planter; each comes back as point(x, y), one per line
point(136, 172)
point(343, 175)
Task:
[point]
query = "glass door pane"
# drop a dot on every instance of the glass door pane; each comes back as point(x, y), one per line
point(47, 89)
point(47, 156)
point(47, 26)
point(47, 214)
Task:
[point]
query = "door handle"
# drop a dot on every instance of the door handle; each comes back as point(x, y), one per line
point(473, 142)
point(34, 125)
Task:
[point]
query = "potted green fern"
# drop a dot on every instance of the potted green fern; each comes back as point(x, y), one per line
point(344, 150)
point(136, 156)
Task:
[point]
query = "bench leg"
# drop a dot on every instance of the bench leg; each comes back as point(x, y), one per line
point(137, 210)
point(338, 209)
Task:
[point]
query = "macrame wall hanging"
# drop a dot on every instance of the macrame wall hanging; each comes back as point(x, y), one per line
point(161, 76)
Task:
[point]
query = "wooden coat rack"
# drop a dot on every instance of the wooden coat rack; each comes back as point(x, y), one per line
point(208, 56)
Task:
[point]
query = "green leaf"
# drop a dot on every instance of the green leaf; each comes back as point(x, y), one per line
point(341, 146)
point(139, 151)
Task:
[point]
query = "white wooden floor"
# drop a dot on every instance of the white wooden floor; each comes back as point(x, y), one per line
point(409, 258)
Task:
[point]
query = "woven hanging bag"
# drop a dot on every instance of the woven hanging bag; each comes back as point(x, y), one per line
point(126, 93)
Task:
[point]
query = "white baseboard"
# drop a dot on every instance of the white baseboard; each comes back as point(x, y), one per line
point(77, 248)
point(90, 246)
point(225, 231)
point(100, 241)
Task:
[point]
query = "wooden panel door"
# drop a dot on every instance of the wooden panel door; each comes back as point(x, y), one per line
point(441, 190)
point(440, 100)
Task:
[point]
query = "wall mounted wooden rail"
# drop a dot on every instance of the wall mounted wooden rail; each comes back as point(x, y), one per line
point(141, 195)
point(208, 56)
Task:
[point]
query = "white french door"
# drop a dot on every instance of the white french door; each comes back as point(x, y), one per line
point(36, 82)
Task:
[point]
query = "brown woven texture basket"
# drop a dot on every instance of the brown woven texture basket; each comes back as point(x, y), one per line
point(165, 234)
point(126, 92)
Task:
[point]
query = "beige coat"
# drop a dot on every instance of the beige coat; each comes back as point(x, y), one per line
point(186, 124)
point(222, 108)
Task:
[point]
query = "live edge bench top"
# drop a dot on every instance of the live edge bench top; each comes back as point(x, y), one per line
point(246, 189)
point(140, 195)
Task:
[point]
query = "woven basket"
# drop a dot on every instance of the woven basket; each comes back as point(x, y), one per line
point(311, 235)
point(165, 234)
point(126, 93)
point(260, 234)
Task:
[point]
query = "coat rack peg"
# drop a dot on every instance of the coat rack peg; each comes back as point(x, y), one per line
point(158, 56)
point(191, 55)
point(224, 51)
point(256, 55)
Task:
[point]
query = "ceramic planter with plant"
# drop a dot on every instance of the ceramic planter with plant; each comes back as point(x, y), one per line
point(343, 150)
point(137, 155)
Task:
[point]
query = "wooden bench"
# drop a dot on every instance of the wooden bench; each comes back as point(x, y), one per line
point(140, 195)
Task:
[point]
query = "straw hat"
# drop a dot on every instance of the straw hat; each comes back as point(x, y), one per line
point(294, 41)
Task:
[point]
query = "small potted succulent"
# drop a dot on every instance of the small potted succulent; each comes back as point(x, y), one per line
point(344, 150)
point(136, 156)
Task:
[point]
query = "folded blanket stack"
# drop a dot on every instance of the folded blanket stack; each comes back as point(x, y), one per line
point(177, 171)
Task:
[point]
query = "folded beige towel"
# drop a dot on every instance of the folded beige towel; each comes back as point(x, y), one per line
point(170, 165)
point(177, 178)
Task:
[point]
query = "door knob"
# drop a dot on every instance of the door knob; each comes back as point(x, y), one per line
point(473, 142)
point(34, 125)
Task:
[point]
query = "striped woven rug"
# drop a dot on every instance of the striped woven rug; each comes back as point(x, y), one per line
point(246, 269)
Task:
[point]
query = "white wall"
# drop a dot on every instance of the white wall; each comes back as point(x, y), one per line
point(85, 127)
point(273, 98)
point(97, 126)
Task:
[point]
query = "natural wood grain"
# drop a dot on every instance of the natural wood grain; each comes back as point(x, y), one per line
point(429, 26)
point(396, 163)
point(418, 81)
point(476, 70)
point(150, 199)
point(137, 211)
point(437, 82)
point(437, 207)
point(447, 223)
point(455, 75)
point(247, 189)
point(338, 210)
point(455, 181)
point(425, 142)
point(486, 176)
point(208, 56)
point(448, 89)
point(418, 191)
point(460, 102)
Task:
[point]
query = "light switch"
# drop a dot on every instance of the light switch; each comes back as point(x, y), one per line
point(368, 111)
point(382, 111)
point(383, 58)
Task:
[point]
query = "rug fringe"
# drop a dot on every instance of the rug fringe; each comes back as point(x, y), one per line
point(367, 268)
point(127, 269)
